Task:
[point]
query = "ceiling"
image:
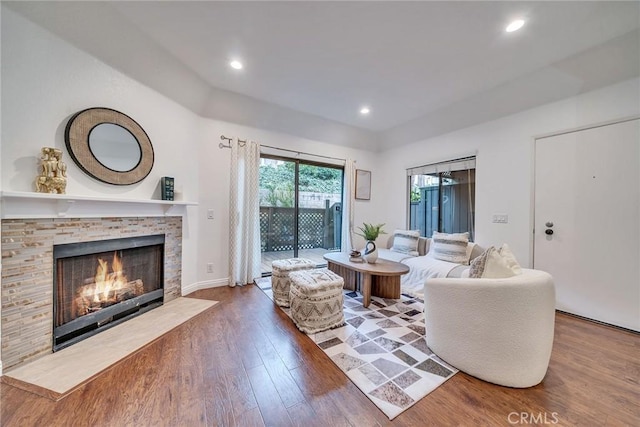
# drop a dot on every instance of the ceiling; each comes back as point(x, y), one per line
point(424, 68)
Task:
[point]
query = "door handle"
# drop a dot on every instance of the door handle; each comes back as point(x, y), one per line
point(548, 232)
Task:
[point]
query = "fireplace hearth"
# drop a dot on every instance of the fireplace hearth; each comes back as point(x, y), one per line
point(100, 284)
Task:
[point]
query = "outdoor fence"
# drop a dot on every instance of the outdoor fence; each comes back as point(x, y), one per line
point(455, 210)
point(317, 228)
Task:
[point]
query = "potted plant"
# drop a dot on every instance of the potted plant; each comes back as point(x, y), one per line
point(370, 233)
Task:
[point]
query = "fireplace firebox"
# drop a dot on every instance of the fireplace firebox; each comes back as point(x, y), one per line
point(100, 284)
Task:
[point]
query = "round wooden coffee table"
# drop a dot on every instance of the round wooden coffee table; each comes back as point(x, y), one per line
point(381, 279)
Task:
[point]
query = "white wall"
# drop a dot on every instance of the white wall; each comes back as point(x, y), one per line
point(214, 167)
point(45, 80)
point(504, 150)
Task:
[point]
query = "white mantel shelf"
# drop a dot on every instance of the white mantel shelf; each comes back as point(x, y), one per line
point(18, 205)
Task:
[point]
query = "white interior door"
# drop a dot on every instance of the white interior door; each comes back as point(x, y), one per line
point(587, 184)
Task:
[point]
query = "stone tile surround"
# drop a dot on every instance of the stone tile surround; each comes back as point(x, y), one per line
point(27, 273)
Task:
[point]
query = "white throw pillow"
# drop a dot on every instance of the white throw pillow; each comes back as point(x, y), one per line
point(510, 259)
point(450, 247)
point(406, 242)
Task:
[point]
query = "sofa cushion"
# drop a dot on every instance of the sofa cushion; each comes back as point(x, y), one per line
point(450, 247)
point(406, 241)
point(390, 255)
point(459, 271)
point(490, 265)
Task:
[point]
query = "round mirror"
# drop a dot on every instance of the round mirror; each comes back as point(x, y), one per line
point(109, 145)
point(114, 147)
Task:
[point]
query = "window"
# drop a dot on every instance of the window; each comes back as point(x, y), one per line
point(442, 197)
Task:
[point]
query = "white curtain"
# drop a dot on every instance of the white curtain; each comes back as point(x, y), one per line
point(244, 213)
point(347, 205)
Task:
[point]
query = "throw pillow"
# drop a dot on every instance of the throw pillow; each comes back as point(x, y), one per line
point(450, 247)
point(510, 259)
point(477, 265)
point(490, 265)
point(470, 247)
point(406, 242)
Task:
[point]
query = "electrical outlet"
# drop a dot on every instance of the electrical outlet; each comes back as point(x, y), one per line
point(210, 267)
point(210, 214)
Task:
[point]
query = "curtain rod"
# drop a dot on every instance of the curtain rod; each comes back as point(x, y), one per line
point(302, 152)
point(224, 138)
point(242, 143)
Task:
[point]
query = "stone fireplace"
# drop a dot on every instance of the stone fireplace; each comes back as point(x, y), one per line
point(95, 255)
point(101, 283)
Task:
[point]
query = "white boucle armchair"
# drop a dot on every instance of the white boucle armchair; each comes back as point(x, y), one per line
point(498, 330)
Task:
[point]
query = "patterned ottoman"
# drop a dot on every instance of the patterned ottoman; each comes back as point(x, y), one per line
point(316, 300)
point(280, 277)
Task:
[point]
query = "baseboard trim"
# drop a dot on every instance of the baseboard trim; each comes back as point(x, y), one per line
point(206, 284)
point(599, 322)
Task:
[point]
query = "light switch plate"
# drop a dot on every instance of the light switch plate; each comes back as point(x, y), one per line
point(500, 218)
point(210, 214)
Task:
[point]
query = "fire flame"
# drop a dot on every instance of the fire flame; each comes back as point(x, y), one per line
point(105, 281)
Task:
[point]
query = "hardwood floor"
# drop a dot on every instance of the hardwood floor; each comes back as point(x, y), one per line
point(243, 363)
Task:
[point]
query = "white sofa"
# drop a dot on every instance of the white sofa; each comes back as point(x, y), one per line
point(498, 330)
point(424, 266)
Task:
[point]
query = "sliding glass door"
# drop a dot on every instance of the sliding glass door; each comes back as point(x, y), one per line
point(300, 209)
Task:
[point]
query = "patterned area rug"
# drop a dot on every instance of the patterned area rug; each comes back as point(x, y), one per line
point(382, 349)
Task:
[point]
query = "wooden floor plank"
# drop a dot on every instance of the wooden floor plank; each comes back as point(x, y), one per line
point(303, 415)
point(317, 392)
point(281, 345)
point(218, 403)
point(240, 392)
point(197, 375)
point(287, 389)
point(247, 351)
point(251, 418)
point(271, 407)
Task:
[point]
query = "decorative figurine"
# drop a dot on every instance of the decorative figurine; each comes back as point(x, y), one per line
point(53, 174)
point(355, 256)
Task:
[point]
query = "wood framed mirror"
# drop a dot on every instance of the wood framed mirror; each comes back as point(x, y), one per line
point(109, 146)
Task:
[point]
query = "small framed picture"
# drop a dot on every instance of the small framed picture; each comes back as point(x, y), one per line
point(363, 184)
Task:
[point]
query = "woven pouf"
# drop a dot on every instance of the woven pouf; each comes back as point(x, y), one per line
point(280, 281)
point(316, 300)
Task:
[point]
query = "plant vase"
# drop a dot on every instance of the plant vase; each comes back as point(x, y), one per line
point(370, 253)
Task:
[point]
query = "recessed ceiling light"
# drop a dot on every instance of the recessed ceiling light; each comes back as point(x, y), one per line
point(514, 26)
point(365, 110)
point(237, 65)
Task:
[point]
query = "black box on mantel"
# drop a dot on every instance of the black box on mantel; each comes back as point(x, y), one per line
point(166, 187)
